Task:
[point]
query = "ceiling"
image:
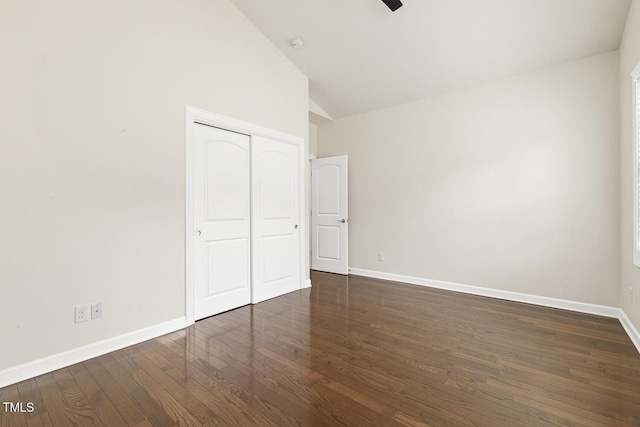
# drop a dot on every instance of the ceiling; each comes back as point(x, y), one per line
point(360, 56)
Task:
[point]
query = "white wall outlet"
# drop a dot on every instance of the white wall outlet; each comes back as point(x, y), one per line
point(82, 313)
point(380, 256)
point(96, 310)
point(630, 293)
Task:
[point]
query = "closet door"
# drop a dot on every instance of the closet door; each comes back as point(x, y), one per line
point(275, 203)
point(222, 221)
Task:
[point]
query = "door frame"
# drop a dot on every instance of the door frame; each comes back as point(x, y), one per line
point(310, 158)
point(195, 115)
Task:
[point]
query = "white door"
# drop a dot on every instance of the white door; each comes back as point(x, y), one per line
point(329, 215)
point(222, 220)
point(275, 218)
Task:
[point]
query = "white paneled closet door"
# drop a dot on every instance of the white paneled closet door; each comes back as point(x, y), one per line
point(275, 200)
point(245, 207)
point(222, 220)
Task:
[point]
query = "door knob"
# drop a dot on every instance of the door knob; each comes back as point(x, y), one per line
point(198, 233)
point(295, 226)
point(342, 220)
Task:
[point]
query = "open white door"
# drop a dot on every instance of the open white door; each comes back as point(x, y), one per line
point(275, 203)
point(222, 220)
point(329, 215)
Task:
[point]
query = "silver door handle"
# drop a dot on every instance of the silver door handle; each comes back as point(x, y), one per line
point(342, 220)
point(295, 226)
point(198, 233)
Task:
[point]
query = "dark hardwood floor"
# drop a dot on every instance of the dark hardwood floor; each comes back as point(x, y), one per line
point(355, 352)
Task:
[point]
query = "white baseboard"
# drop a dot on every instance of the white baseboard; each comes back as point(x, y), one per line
point(51, 363)
point(582, 307)
point(630, 329)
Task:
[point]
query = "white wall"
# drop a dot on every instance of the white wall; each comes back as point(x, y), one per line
point(629, 57)
point(511, 185)
point(92, 166)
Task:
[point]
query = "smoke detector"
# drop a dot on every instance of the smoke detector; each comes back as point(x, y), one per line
point(297, 43)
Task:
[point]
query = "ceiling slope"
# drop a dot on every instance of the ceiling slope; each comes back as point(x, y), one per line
point(360, 56)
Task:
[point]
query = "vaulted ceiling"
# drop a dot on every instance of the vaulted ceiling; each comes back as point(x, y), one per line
point(360, 56)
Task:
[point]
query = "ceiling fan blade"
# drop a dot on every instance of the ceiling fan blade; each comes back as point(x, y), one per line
point(393, 4)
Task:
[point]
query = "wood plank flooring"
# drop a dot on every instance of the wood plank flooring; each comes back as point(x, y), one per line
point(355, 352)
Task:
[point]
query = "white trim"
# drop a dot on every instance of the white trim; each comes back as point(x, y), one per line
point(51, 363)
point(239, 126)
point(190, 117)
point(582, 307)
point(310, 158)
point(195, 115)
point(635, 76)
point(630, 329)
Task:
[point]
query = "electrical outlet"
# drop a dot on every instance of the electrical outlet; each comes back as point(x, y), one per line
point(96, 310)
point(630, 293)
point(82, 313)
point(380, 256)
